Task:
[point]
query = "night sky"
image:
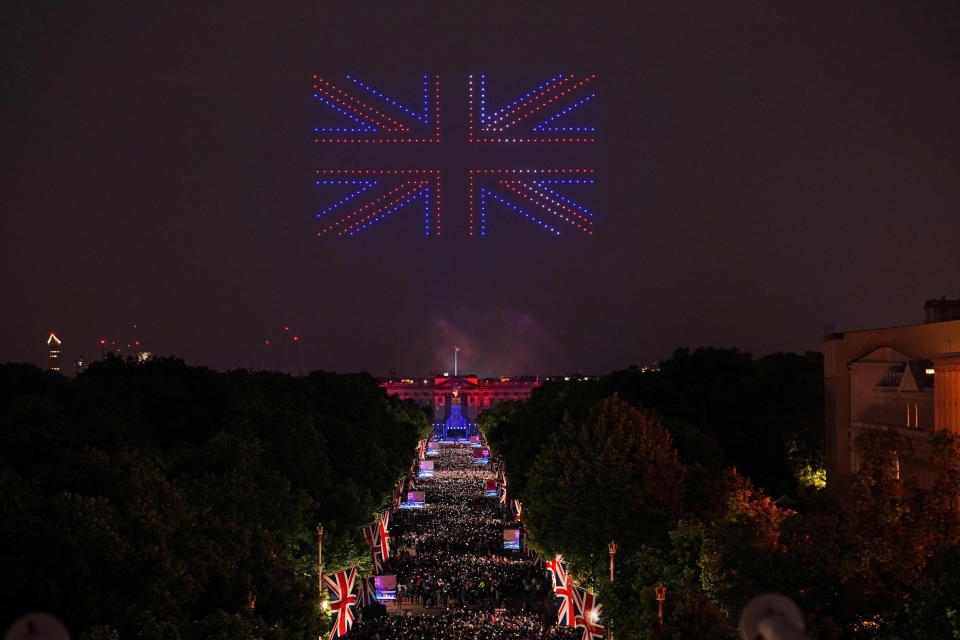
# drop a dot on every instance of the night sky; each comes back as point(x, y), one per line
point(763, 169)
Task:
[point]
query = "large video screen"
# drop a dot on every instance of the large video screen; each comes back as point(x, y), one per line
point(385, 587)
point(415, 500)
point(490, 490)
point(415, 496)
point(426, 469)
point(433, 448)
point(511, 539)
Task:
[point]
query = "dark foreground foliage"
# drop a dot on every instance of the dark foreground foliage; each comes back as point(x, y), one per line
point(662, 462)
point(160, 500)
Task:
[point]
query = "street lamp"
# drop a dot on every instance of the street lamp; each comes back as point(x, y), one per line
point(661, 593)
point(612, 548)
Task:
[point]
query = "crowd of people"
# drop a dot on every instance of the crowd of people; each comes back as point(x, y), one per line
point(449, 559)
point(462, 625)
point(440, 578)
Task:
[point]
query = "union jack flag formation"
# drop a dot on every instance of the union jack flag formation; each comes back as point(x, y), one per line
point(354, 112)
point(576, 607)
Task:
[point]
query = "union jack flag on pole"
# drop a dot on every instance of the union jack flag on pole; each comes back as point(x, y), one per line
point(412, 475)
point(372, 534)
point(397, 497)
point(368, 591)
point(384, 531)
point(552, 567)
point(588, 614)
point(343, 602)
point(534, 555)
point(563, 590)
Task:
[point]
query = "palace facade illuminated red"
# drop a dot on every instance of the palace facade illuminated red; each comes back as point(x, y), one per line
point(475, 394)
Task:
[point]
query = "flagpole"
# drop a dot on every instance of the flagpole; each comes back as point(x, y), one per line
point(612, 548)
point(320, 558)
point(456, 350)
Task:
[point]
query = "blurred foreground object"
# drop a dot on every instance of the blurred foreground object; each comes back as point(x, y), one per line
point(772, 617)
point(37, 626)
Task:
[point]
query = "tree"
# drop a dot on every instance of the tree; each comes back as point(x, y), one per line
point(612, 475)
point(150, 500)
point(741, 555)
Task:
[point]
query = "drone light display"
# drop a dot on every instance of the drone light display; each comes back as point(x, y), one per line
point(526, 192)
point(376, 117)
point(526, 119)
point(364, 114)
point(401, 187)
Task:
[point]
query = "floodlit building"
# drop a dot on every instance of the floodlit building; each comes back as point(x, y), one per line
point(475, 394)
point(903, 378)
point(53, 353)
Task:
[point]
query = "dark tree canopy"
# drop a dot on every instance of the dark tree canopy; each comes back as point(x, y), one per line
point(680, 466)
point(149, 500)
point(722, 407)
point(616, 470)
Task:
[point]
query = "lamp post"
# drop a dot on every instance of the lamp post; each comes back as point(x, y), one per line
point(661, 592)
point(612, 548)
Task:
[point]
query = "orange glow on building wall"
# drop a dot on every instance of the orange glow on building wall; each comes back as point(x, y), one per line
point(903, 378)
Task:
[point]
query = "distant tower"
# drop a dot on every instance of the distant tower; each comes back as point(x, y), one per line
point(53, 352)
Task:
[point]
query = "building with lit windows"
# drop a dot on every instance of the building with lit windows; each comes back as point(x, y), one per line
point(53, 353)
point(902, 378)
point(475, 394)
